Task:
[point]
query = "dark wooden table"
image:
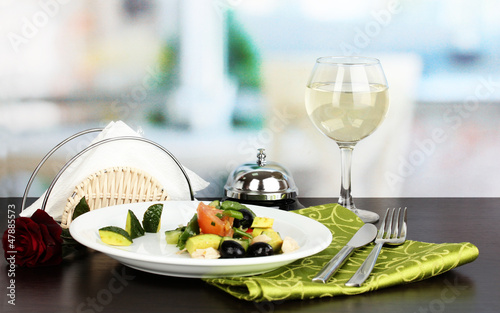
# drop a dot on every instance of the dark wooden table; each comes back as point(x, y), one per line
point(97, 283)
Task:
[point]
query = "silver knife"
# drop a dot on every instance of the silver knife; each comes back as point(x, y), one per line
point(362, 237)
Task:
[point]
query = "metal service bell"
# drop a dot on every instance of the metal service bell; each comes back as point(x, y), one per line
point(262, 183)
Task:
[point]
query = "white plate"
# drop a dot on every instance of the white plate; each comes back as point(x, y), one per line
point(151, 253)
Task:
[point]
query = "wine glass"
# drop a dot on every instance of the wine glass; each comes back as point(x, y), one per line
point(347, 99)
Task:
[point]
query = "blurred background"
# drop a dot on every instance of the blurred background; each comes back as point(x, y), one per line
point(214, 80)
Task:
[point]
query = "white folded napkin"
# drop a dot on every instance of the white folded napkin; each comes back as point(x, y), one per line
point(124, 153)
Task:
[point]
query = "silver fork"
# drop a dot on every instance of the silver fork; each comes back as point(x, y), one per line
point(391, 232)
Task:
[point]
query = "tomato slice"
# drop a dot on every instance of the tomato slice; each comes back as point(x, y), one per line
point(210, 223)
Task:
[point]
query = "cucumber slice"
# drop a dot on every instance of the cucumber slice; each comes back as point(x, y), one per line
point(152, 218)
point(215, 204)
point(133, 226)
point(115, 236)
point(172, 236)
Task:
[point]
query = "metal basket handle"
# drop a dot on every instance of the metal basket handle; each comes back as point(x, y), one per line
point(90, 147)
point(48, 155)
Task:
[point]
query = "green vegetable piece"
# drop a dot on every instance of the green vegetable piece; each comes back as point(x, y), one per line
point(233, 213)
point(192, 229)
point(215, 204)
point(203, 242)
point(241, 233)
point(172, 236)
point(233, 205)
point(81, 208)
point(115, 236)
point(133, 226)
point(152, 218)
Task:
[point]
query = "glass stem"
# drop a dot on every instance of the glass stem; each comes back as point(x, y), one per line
point(345, 198)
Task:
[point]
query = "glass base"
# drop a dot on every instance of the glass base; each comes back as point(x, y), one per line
point(365, 216)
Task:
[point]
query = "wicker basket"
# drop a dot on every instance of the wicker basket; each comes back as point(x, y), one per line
point(113, 186)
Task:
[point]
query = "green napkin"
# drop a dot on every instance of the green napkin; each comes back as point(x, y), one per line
point(410, 262)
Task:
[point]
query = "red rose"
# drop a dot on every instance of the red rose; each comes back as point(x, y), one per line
point(37, 241)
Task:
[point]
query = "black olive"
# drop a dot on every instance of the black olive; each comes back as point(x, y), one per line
point(260, 249)
point(246, 221)
point(231, 249)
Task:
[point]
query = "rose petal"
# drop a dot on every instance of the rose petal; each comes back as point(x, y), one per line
point(53, 248)
point(35, 244)
point(41, 217)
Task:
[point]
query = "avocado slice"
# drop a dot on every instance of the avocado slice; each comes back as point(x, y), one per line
point(203, 241)
point(275, 241)
point(262, 222)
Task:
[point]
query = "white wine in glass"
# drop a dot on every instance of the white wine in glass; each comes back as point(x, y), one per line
point(347, 99)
